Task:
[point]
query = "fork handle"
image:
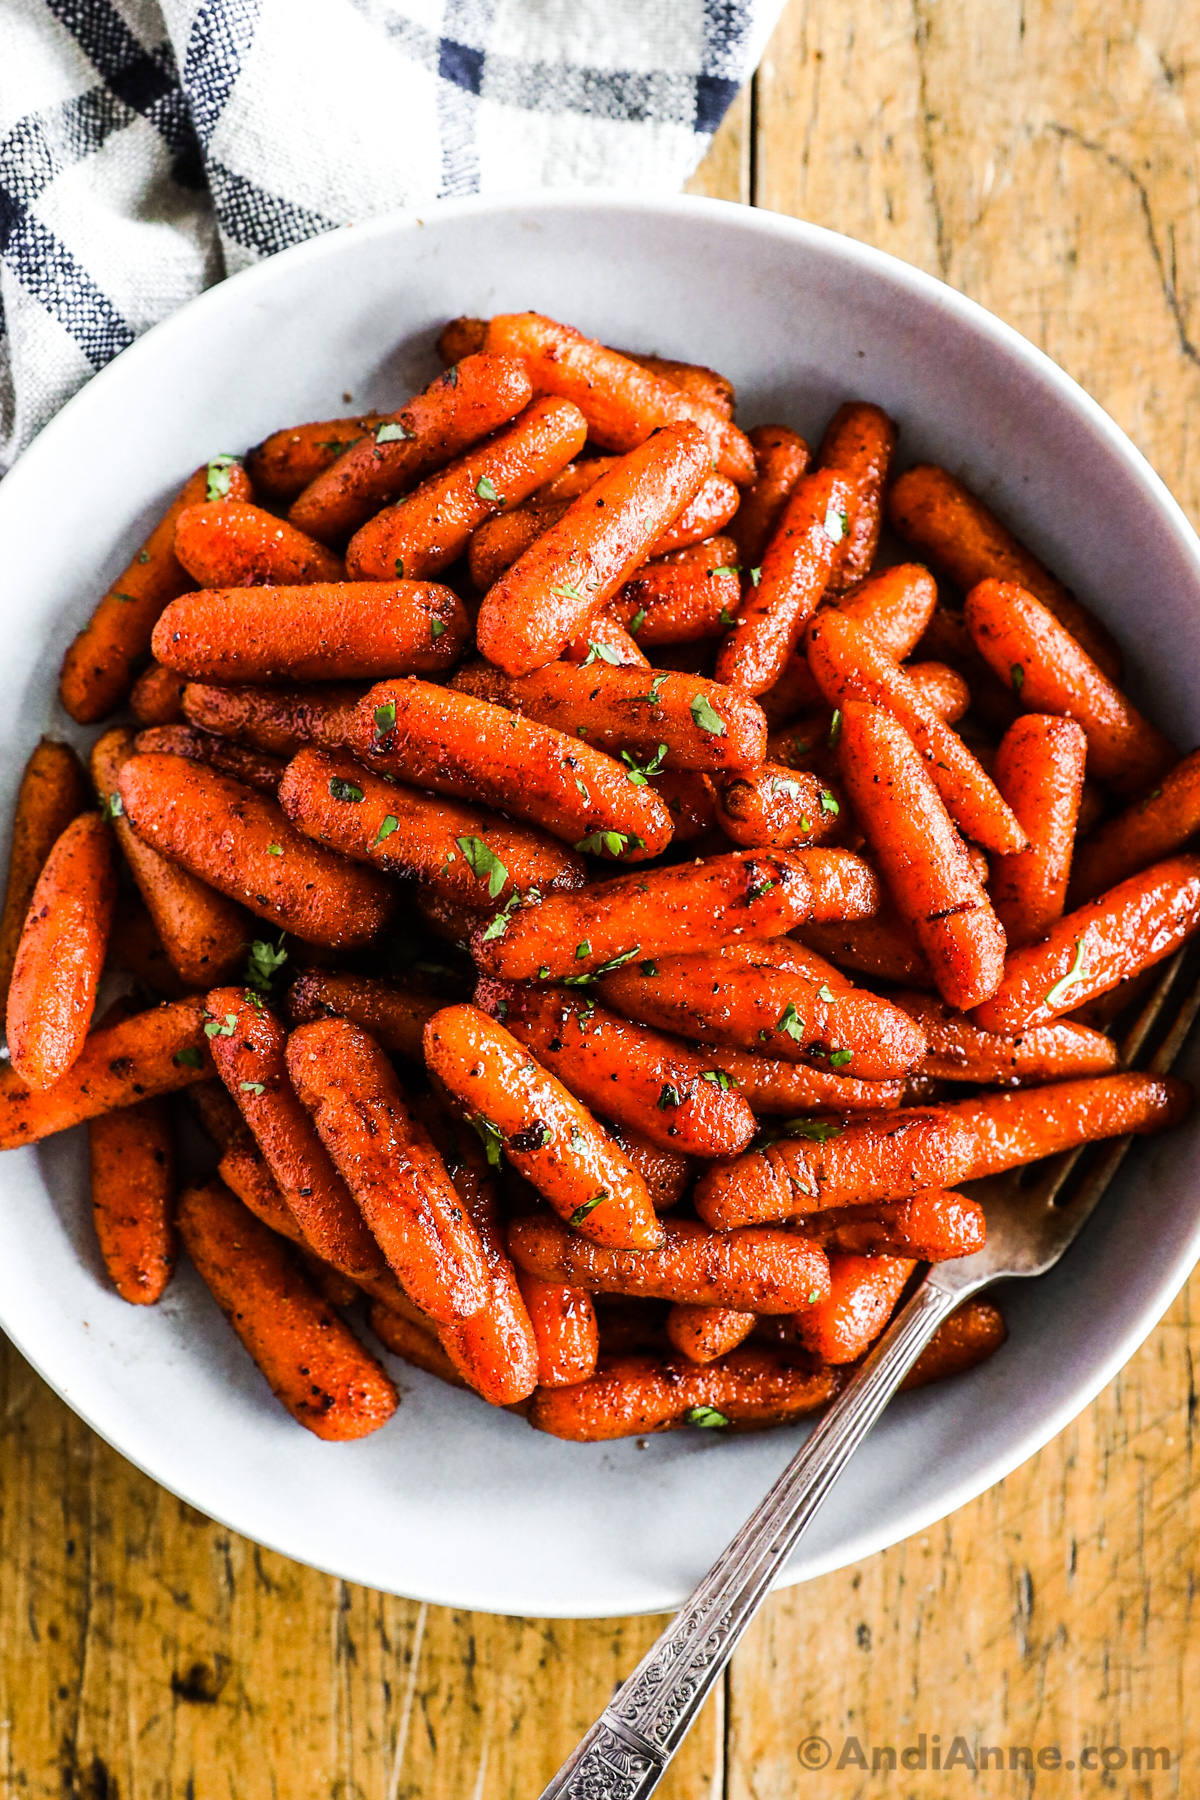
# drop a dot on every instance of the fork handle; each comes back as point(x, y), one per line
point(626, 1752)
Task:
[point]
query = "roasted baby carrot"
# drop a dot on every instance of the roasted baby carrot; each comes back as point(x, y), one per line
point(689, 800)
point(632, 1395)
point(667, 720)
point(336, 631)
point(244, 1170)
point(1050, 672)
point(232, 544)
point(253, 767)
point(706, 514)
point(391, 1166)
point(416, 1344)
point(895, 606)
point(285, 462)
point(203, 933)
point(1011, 1129)
point(970, 1335)
point(564, 1325)
point(656, 911)
point(132, 1159)
point(681, 598)
point(942, 689)
point(863, 1295)
point(470, 400)
point(921, 856)
point(154, 1053)
point(61, 953)
point(933, 1226)
point(99, 666)
point(434, 737)
point(778, 1013)
point(276, 720)
point(703, 1333)
point(463, 852)
point(621, 401)
point(936, 513)
point(1146, 832)
point(496, 1350)
point(888, 1157)
point(157, 696)
point(771, 1087)
point(761, 1270)
point(959, 1050)
point(1039, 771)
point(637, 1077)
point(242, 844)
point(781, 457)
point(849, 664)
point(1097, 946)
point(605, 639)
point(498, 542)
point(134, 945)
point(53, 791)
point(393, 1015)
point(248, 1044)
point(316, 1367)
point(859, 441)
point(882, 946)
point(522, 1110)
point(778, 808)
point(576, 567)
point(781, 596)
point(461, 337)
point(666, 1173)
point(844, 886)
point(430, 528)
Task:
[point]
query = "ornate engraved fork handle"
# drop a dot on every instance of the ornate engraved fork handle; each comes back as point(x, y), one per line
point(625, 1753)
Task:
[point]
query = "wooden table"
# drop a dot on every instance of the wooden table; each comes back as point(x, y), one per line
point(1039, 155)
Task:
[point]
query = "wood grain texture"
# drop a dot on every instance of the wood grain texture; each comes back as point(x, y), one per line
point(1040, 156)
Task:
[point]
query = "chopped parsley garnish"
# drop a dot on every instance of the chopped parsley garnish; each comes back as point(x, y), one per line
point(1073, 977)
point(653, 695)
point(640, 773)
point(490, 1138)
point(759, 888)
point(725, 617)
point(385, 718)
point(824, 992)
point(567, 592)
point(436, 628)
point(707, 1417)
point(485, 490)
point(188, 1058)
point(705, 716)
point(499, 924)
point(755, 576)
point(600, 653)
point(727, 569)
point(214, 1027)
point(114, 806)
point(836, 525)
point(391, 823)
point(582, 950)
point(829, 804)
point(789, 1022)
point(671, 1096)
point(252, 1087)
point(392, 432)
point(274, 849)
point(819, 1130)
point(344, 790)
point(484, 863)
point(649, 968)
point(720, 1079)
point(217, 477)
point(637, 621)
point(263, 965)
point(612, 843)
point(1017, 674)
point(835, 728)
point(839, 1058)
point(581, 1212)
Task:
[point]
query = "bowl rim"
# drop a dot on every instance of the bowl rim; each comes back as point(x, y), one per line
point(880, 266)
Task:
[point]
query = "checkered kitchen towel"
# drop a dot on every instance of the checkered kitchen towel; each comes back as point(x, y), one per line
point(147, 147)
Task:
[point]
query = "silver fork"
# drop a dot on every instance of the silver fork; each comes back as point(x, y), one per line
point(1030, 1224)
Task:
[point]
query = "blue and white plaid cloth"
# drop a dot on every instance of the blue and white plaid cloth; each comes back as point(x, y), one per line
point(148, 147)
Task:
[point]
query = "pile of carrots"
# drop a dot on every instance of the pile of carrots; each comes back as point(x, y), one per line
point(599, 904)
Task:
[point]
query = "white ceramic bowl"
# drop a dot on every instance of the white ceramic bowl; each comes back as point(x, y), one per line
point(453, 1502)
